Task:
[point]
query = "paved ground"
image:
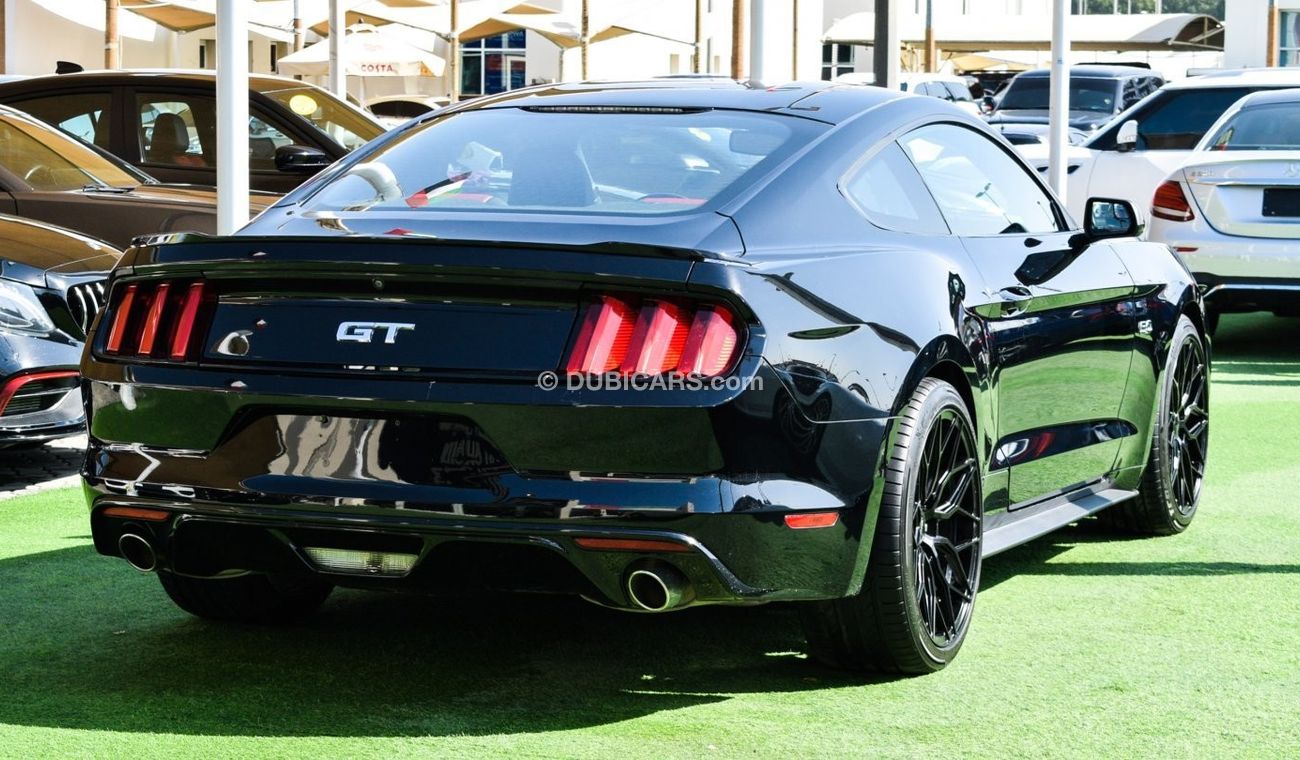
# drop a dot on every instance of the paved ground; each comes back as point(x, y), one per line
point(53, 465)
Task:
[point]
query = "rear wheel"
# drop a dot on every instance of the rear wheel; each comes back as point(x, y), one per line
point(247, 598)
point(914, 609)
point(1171, 485)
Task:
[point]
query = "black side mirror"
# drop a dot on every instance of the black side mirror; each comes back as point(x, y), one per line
point(1110, 218)
point(988, 103)
point(300, 159)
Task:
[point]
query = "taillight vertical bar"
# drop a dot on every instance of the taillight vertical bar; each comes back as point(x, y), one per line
point(150, 330)
point(185, 324)
point(120, 319)
point(604, 337)
point(710, 343)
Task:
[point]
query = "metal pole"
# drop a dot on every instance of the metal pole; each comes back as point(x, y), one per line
point(757, 19)
point(338, 77)
point(112, 42)
point(931, 49)
point(1059, 97)
point(1270, 48)
point(697, 58)
point(885, 45)
point(453, 53)
point(232, 116)
point(738, 39)
point(794, 41)
point(586, 41)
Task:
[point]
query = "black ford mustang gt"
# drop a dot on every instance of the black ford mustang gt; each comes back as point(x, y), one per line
point(658, 345)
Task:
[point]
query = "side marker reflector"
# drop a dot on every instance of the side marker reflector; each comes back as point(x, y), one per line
point(630, 545)
point(812, 520)
point(137, 513)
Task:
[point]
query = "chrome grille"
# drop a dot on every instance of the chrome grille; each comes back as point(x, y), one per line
point(84, 302)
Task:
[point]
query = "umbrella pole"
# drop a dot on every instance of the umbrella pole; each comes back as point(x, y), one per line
point(112, 41)
point(453, 53)
point(586, 40)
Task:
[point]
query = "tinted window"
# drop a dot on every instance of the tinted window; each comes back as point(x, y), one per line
point(1272, 127)
point(338, 121)
point(1086, 94)
point(980, 189)
point(958, 91)
point(1175, 119)
point(47, 159)
point(889, 192)
point(616, 163)
point(84, 115)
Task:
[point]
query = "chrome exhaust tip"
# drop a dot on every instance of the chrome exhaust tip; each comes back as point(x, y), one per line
point(658, 587)
point(138, 552)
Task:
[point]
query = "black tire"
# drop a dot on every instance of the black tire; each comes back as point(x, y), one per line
point(271, 599)
point(896, 623)
point(1171, 484)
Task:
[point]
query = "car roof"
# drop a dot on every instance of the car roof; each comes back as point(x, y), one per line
point(258, 82)
point(823, 101)
point(1104, 71)
point(1288, 96)
point(1276, 77)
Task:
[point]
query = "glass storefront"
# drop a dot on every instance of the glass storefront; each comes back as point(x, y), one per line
point(494, 64)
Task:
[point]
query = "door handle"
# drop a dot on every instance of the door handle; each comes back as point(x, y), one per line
point(1015, 299)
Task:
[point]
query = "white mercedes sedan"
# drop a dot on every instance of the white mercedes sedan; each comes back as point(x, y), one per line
point(1233, 210)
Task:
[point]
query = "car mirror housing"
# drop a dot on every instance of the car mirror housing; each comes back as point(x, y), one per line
point(300, 159)
point(1127, 138)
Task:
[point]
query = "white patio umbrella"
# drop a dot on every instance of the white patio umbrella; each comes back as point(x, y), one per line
point(367, 52)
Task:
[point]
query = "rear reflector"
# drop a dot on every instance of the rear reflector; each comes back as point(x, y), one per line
point(654, 337)
point(137, 513)
point(1170, 203)
point(812, 520)
point(630, 545)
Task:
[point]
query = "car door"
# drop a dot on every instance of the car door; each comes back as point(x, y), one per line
point(1060, 332)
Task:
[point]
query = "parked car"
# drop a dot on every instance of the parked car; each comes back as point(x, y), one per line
point(51, 288)
point(650, 344)
point(165, 122)
point(1232, 212)
point(1129, 158)
point(1034, 134)
point(1097, 94)
point(395, 110)
point(953, 89)
point(50, 176)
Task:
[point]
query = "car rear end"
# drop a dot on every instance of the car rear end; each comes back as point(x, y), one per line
point(1233, 211)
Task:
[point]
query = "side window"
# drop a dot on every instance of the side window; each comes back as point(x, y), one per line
point(1132, 93)
point(263, 139)
point(959, 92)
point(177, 130)
point(979, 188)
point(84, 115)
point(889, 192)
point(1183, 119)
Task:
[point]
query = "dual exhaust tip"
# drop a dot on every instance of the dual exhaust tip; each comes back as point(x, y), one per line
point(655, 586)
point(138, 552)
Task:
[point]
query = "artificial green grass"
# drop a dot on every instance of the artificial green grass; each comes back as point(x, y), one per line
point(1082, 645)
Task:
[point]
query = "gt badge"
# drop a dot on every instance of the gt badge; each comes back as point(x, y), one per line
point(364, 332)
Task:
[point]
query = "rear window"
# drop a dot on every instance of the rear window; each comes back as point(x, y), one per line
point(1031, 94)
point(634, 161)
point(1273, 127)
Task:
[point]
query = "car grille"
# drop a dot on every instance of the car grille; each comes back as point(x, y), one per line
point(84, 302)
point(38, 395)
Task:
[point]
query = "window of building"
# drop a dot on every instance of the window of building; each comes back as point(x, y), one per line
point(494, 64)
point(836, 59)
point(1289, 42)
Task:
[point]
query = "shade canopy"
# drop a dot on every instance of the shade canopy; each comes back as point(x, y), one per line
point(367, 52)
point(979, 33)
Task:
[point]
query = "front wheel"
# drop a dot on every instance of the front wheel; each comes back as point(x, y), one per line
point(1171, 485)
point(914, 609)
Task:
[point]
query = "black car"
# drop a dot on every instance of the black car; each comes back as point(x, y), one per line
point(53, 177)
point(1097, 94)
point(51, 286)
point(656, 344)
point(165, 122)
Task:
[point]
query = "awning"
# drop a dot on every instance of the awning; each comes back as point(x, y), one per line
point(979, 33)
point(367, 52)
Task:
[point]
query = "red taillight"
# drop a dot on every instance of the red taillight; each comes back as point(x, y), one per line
point(654, 337)
point(151, 315)
point(1170, 203)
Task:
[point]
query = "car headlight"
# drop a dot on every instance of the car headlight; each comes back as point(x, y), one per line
point(21, 311)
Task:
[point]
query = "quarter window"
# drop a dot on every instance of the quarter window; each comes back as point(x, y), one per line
point(979, 188)
point(84, 115)
point(888, 191)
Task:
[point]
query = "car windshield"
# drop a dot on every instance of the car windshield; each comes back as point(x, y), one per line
point(47, 159)
point(1031, 94)
point(1271, 127)
point(639, 161)
point(342, 123)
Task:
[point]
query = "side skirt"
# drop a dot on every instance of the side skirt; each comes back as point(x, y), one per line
point(1023, 525)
